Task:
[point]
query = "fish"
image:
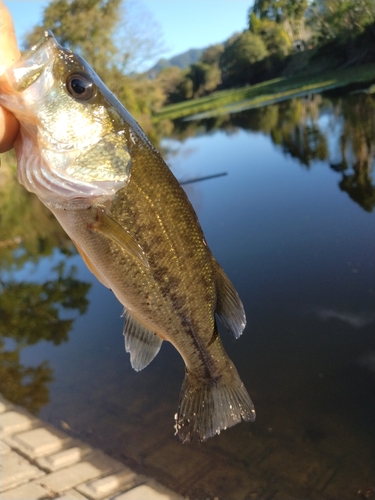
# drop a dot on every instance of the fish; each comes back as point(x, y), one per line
point(87, 159)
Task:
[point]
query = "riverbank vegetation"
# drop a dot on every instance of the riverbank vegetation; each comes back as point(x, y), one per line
point(287, 43)
point(269, 92)
point(284, 38)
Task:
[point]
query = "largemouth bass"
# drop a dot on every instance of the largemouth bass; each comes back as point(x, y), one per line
point(90, 163)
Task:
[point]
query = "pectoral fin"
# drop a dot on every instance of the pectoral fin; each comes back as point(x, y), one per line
point(142, 344)
point(114, 231)
point(229, 307)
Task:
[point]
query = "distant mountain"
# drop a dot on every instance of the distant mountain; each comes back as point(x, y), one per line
point(183, 61)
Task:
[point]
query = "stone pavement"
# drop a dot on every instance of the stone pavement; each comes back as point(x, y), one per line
point(38, 461)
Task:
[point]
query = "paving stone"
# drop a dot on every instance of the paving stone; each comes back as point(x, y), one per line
point(64, 458)
point(38, 442)
point(4, 448)
point(77, 471)
point(150, 491)
point(109, 485)
point(15, 470)
point(5, 405)
point(71, 495)
point(94, 466)
point(15, 421)
point(29, 491)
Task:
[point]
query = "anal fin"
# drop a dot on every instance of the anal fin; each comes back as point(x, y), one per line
point(142, 344)
point(229, 307)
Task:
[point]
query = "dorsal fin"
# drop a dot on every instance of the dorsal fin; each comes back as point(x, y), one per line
point(229, 307)
point(142, 344)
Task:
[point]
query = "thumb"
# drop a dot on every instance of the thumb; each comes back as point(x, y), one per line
point(9, 54)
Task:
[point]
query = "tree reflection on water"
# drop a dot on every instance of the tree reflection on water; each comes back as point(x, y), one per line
point(307, 129)
point(31, 311)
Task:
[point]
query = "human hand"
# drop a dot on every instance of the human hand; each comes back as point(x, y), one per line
point(9, 54)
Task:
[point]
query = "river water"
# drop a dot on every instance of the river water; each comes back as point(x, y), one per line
point(292, 223)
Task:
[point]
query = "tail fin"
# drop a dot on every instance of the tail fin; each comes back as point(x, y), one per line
point(208, 406)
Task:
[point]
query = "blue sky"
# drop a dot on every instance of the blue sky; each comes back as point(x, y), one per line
point(184, 24)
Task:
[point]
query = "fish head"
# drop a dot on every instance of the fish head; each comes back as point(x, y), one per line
point(74, 140)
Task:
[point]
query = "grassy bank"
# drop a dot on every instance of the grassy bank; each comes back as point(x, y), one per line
point(279, 89)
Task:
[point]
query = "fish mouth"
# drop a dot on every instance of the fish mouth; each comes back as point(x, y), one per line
point(31, 65)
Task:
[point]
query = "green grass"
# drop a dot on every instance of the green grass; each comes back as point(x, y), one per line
point(269, 92)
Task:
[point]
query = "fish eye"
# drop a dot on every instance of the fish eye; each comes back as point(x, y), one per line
point(80, 86)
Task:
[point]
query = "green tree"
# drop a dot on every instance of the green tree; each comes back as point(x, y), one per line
point(141, 97)
point(169, 80)
point(185, 89)
point(205, 78)
point(237, 63)
point(210, 67)
point(345, 18)
point(279, 10)
point(85, 26)
point(212, 54)
point(288, 14)
point(273, 35)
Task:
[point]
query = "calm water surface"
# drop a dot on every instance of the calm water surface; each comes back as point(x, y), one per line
point(292, 223)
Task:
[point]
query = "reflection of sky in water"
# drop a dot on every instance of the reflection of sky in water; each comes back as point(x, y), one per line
point(40, 271)
point(331, 125)
point(356, 320)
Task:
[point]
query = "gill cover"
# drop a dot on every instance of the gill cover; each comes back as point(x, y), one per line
point(74, 143)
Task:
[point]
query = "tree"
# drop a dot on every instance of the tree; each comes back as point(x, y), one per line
point(107, 33)
point(288, 14)
point(169, 79)
point(279, 10)
point(84, 26)
point(212, 54)
point(205, 77)
point(237, 63)
point(348, 18)
point(273, 35)
point(208, 69)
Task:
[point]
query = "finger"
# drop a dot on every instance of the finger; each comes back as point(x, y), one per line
point(9, 54)
point(9, 127)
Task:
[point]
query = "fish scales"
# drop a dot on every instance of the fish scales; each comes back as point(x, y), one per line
point(90, 163)
point(173, 240)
